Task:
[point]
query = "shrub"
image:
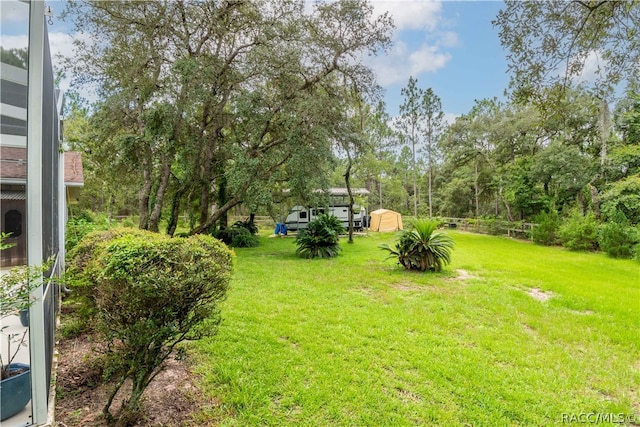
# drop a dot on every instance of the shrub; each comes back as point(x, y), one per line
point(248, 225)
point(237, 236)
point(83, 269)
point(495, 227)
point(153, 292)
point(242, 238)
point(423, 248)
point(546, 230)
point(84, 223)
point(320, 238)
point(579, 233)
point(76, 229)
point(617, 238)
point(128, 222)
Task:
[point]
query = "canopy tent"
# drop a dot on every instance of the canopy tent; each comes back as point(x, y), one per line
point(385, 220)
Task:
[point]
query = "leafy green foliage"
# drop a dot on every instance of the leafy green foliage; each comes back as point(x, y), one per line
point(82, 224)
point(623, 196)
point(248, 224)
point(252, 136)
point(243, 234)
point(578, 232)
point(4, 245)
point(320, 238)
point(423, 248)
point(617, 238)
point(83, 269)
point(16, 286)
point(542, 38)
point(238, 237)
point(16, 57)
point(546, 232)
point(562, 170)
point(151, 293)
point(495, 226)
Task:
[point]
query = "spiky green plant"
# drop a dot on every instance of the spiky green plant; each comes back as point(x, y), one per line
point(422, 248)
point(320, 238)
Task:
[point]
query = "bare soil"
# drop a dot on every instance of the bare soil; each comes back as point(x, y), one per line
point(540, 295)
point(171, 399)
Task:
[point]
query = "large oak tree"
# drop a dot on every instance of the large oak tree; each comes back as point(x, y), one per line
point(215, 103)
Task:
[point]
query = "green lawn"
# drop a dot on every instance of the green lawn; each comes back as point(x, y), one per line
point(357, 341)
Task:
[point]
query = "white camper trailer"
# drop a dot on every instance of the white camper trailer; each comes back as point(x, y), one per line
point(299, 216)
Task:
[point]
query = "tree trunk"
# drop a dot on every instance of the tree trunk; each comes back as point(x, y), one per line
point(415, 181)
point(595, 200)
point(165, 173)
point(206, 179)
point(347, 176)
point(216, 216)
point(605, 130)
point(506, 205)
point(143, 200)
point(477, 193)
point(175, 211)
point(430, 199)
point(430, 160)
point(223, 220)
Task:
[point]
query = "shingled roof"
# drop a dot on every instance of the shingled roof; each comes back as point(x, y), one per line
point(13, 166)
point(13, 163)
point(73, 174)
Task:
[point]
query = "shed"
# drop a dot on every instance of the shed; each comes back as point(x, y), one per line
point(385, 220)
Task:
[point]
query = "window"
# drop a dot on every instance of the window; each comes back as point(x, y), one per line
point(13, 223)
point(303, 215)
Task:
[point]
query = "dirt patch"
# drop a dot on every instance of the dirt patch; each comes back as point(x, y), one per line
point(540, 295)
point(170, 400)
point(407, 396)
point(464, 275)
point(582, 312)
point(407, 286)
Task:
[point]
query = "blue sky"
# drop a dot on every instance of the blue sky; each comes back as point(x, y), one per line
point(449, 46)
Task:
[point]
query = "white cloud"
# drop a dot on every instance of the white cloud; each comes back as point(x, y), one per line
point(61, 44)
point(427, 59)
point(592, 68)
point(450, 39)
point(593, 65)
point(401, 62)
point(450, 118)
point(15, 42)
point(418, 42)
point(411, 14)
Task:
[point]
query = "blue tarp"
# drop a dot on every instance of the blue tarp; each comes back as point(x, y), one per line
point(281, 229)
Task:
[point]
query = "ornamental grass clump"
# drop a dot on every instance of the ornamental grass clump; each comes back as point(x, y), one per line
point(320, 238)
point(422, 248)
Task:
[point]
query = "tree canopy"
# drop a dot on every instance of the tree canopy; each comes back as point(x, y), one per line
point(218, 103)
point(557, 43)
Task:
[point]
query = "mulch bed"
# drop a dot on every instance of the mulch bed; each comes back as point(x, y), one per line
point(170, 400)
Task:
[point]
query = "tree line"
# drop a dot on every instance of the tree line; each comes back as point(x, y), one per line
point(210, 107)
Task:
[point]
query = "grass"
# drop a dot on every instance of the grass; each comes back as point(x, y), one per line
point(358, 341)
